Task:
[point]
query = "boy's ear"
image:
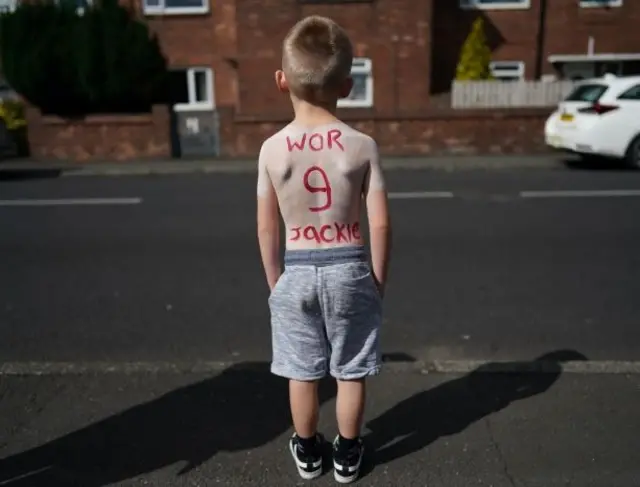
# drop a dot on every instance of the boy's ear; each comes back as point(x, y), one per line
point(281, 82)
point(347, 86)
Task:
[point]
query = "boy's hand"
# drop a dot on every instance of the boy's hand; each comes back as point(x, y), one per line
point(268, 222)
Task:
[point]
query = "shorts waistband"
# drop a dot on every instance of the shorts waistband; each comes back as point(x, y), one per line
point(323, 257)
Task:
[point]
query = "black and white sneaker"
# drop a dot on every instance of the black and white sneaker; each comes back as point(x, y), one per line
point(308, 463)
point(346, 464)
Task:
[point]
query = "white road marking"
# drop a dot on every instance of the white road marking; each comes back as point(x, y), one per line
point(419, 366)
point(603, 193)
point(71, 202)
point(416, 195)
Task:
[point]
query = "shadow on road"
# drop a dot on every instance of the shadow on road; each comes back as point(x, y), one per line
point(242, 408)
point(602, 164)
point(28, 174)
point(452, 406)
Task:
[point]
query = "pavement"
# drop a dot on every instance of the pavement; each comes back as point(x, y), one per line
point(134, 339)
point(505, 430)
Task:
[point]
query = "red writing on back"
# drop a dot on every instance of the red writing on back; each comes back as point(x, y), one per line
point(325, 188)
point(338, 233)
point(316, 141)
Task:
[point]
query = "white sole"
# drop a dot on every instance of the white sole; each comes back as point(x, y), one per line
point(303, 473)
point(351, 478)
point(345, 480)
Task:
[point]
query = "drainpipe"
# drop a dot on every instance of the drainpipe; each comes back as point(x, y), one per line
point(542, 32)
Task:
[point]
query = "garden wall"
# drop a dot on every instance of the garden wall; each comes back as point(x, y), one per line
point(100, 137)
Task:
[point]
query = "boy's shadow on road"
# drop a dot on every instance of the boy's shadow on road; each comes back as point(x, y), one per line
point(451, 407)
point(243, 407)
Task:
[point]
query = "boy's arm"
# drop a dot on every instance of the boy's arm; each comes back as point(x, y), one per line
point(375, 195)
point(268, 219)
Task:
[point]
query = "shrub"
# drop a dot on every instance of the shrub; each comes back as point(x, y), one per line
point(475, 56)
point(103, 61)
point(12, 113)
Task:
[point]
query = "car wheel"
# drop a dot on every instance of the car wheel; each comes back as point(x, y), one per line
point(633, 154)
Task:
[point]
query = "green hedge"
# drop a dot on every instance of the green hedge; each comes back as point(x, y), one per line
point(103, 61)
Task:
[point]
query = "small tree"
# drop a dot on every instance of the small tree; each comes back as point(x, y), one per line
point(475, 55)
point(104, 61)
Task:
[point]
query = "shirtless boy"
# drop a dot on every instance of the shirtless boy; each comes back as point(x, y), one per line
point(326, 306)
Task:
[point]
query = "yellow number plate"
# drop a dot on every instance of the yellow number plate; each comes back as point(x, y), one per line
point(555, 140)
point(566, 117)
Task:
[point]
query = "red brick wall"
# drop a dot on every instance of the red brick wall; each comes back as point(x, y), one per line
point(569, 27)
point(460, 132)
point(204, 41)
point(393, 33)
point(511, 35)
point(100, 137)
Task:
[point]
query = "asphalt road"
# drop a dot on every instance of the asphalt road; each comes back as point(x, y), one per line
point(488, 265)
point(485, 274)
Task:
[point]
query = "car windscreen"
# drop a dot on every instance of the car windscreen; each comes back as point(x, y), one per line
point(591, 92)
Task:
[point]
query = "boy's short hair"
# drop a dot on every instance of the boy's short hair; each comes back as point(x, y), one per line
point(316, 58)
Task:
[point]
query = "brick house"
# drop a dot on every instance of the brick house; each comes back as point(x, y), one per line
point(223, 54)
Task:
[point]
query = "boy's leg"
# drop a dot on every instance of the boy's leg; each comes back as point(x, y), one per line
point(305, 407)
point(350, 405)
point(300, 355)
point(353, 315)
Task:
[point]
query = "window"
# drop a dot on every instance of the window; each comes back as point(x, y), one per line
point(175, 7)
point(80, 5)
point(507, 70)
point(192, 89)
point(7, 5)
point(362, 93)
point(495, 4)
point(588, 92)
point(600, 3)
point(631, 94)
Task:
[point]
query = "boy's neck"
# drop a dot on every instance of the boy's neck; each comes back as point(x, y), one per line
point(309, 114)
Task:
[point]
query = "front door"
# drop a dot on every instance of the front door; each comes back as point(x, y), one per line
point(578, 71)
point(195, 124)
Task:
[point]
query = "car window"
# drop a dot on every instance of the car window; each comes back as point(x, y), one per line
point(591, 92)
point(632, 93)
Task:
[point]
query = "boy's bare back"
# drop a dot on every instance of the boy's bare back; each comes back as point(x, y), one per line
point(319, 176)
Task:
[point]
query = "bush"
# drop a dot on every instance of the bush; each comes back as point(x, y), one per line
point(12, 113)
point(475, 56)
point(104, 61)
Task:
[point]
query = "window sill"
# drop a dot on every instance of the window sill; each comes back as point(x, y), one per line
point(600, 4)
point(200, 107)
point(355, 103)
point(152, 11)
point(505, 6)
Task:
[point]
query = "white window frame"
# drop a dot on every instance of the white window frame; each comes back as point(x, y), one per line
point(196, 106)
point(503, 5)
point(361, 66)
point(495, 67)
point(600, 3)
point(162, 9)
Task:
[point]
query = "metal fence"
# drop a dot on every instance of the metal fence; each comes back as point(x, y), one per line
point(508, 94)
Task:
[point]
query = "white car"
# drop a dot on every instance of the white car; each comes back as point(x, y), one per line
point(600, 117)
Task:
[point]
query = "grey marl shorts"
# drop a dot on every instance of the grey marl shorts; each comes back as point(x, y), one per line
point(326, 313)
